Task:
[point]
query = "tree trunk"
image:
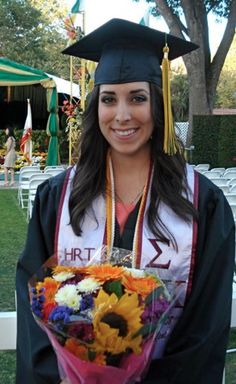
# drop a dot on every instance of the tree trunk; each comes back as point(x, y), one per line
point(203, 74)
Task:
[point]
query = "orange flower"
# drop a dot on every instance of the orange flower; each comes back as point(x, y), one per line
point(50, 288)
point(105, 272)
point(76, 348)
point(100, 359)
point(47, 309)
point(142, 286)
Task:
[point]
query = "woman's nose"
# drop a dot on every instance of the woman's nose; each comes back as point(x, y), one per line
point(122, 113)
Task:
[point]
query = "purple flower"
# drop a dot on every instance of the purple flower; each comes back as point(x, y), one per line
point(86, 302)
point(37, 304)
point(155, 310)
point(60, 316)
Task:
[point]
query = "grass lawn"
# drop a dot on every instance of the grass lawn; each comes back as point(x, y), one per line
point(13, 226)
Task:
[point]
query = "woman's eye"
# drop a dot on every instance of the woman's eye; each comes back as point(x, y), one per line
point(107, 99)
point(139, 98)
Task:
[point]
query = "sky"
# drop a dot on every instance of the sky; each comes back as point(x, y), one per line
point(100, 11)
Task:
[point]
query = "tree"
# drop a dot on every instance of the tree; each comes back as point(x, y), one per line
point(202, 69)
point(180, 95)
point(31, 32)
point(226, 89)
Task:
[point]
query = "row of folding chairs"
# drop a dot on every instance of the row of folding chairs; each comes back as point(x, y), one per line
point(227, 174)
point(29, 179)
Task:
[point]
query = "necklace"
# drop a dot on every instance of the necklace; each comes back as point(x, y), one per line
point(133, 201)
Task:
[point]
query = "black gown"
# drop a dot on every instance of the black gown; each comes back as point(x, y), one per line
point(195, 351)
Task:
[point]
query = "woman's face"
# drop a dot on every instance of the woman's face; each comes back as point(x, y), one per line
point(125, 118)
point(7, 131)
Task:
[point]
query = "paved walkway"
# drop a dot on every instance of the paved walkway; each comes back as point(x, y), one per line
point(15, 186)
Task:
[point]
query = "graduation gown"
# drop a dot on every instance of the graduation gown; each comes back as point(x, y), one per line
point(195, 351)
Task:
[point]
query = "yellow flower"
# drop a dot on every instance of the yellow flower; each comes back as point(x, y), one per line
point(115, 323)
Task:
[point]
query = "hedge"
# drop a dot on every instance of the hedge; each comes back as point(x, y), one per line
point(214, 140)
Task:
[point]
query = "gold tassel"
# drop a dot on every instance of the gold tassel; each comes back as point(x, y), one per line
point(170, 141)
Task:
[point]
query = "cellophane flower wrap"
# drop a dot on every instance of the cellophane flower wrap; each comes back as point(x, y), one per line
point(102, 318)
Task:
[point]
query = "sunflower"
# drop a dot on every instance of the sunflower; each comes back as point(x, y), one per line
point(50, 287)
point(142, 286)
point(115, 323)
point(105, 272)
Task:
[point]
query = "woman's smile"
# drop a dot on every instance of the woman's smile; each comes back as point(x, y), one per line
point(125, 133)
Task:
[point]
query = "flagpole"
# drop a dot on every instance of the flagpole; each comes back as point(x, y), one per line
point(83, 64)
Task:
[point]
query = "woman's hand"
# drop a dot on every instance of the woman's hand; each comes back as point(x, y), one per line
point(65, 381)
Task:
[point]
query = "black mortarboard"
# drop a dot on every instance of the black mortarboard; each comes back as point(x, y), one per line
point(129, 52)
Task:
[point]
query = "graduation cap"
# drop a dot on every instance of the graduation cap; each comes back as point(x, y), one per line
point(130, 52)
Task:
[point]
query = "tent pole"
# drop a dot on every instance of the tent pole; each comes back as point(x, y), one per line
point(70, 133)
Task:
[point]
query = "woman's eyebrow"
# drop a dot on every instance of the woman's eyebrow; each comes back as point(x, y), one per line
point(107, 92)
point(139, 90)
point(133, 91)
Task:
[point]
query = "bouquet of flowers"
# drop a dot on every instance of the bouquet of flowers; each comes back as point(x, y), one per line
point(102, 318)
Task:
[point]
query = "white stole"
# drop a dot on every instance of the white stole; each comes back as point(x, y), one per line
point(175, 268)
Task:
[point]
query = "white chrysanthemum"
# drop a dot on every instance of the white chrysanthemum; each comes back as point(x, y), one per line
point(136, 272)
point(88, 285)
point(68, 295)
point(63, 276)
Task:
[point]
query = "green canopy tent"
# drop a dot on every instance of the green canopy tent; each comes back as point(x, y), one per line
point(15, 74)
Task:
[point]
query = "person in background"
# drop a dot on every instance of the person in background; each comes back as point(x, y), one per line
point(133, 189)
point(10, 157)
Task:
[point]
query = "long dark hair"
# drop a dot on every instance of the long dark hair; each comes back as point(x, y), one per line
point(10, 131)
point(169, 183)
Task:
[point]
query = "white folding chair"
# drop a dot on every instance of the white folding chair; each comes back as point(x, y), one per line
point(53, 171)
point(34, 182)
point(23, 185)
point(203, 166)
point(233, 207)
point(229, 174)
point(212, 174)
point(224, 188)
point(232, 188)
point(219, 181)
point(231, 197)
point(7, 330)
point(50, 167)
point(219, 169)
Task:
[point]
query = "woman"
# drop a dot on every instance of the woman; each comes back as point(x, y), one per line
point(10, 158)
point(133, 189)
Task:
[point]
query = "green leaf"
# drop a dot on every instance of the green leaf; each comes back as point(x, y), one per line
point(114, 287)
point(157, 292)
point(91, 354)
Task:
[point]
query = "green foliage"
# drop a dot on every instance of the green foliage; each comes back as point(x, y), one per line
point(180, 96)
point(40, 142)
point(218, 7)
point(36, 39)
point(214, 139)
